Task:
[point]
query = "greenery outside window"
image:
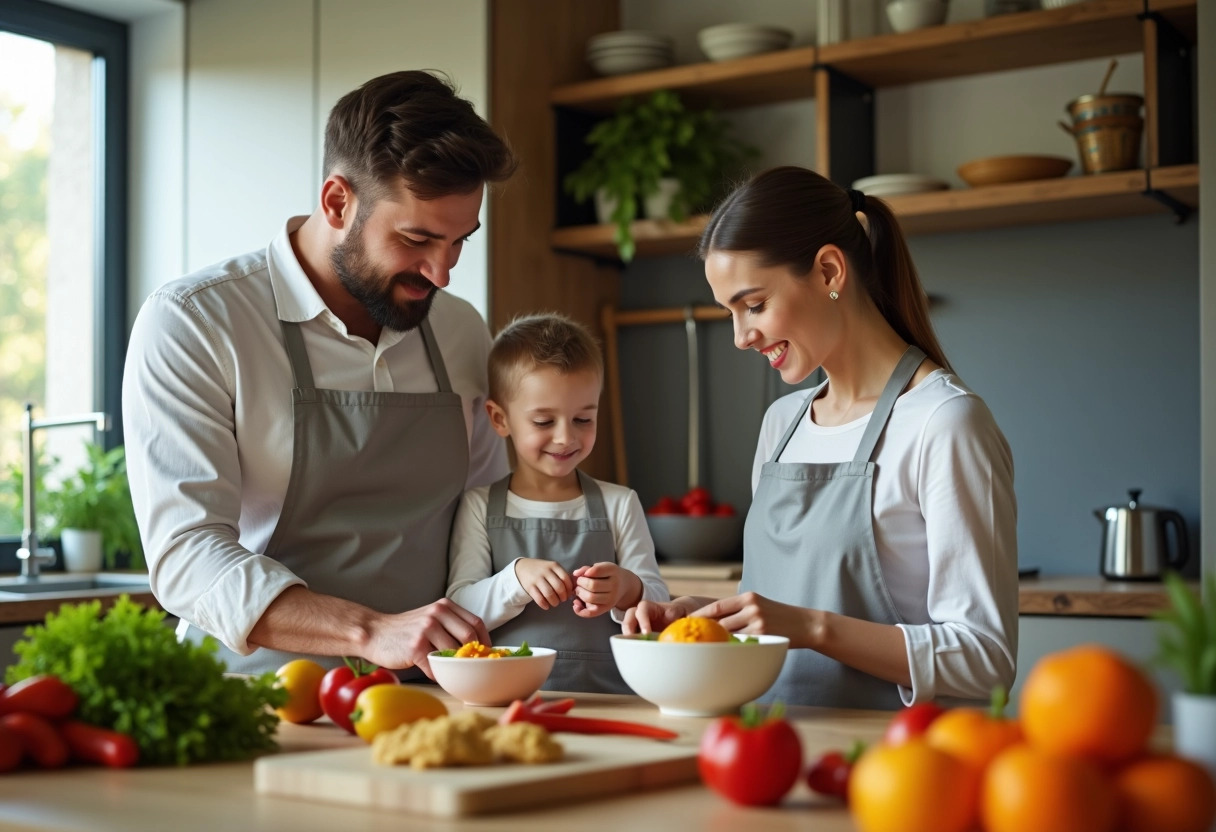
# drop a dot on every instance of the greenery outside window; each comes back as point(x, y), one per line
point(63, 231)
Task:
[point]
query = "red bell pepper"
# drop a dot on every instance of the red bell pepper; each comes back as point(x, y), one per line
point(518, 711)
point(42, 695)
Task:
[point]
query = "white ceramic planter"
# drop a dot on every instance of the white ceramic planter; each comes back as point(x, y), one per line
point(658, 205)
point(1195, 728)
point(81, 550)
point(604, 206)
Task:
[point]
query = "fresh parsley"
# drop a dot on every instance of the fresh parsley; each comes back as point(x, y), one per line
point(132, 675)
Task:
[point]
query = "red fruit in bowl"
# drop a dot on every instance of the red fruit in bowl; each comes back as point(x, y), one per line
point(698, 495)
point(668, 504)
point(699, 510)
point(724, 510)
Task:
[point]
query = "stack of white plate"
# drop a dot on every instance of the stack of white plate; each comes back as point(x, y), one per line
point(737, 40)
point(894, 184)
point(618, 53)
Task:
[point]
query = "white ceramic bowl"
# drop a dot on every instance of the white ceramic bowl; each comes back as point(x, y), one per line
point(908, 15)
point(493, 681)
point(686, 538)
point(727, 41)
point(626, 37)
point(625, 64)
point(703, 679)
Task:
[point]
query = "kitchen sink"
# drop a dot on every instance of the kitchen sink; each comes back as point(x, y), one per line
point(52, 584)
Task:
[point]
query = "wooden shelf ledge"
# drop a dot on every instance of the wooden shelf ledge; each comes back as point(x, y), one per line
point(1098, 196)
point(1094, 29)
point(786, 75)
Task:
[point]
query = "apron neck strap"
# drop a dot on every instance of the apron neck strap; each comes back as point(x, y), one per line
point(496, 502)
point(432, 351)
point(904, 370)
point(297, 356)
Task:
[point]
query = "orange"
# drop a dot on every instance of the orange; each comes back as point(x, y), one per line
point(1165, 794)
point(972, 735)
point(301, 678)
point(1088, 701)
point(1027, 789)
point(912, 787)
point(694, 628)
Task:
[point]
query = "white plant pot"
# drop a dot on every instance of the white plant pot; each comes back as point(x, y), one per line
point(1195, 728)
point(81, 550)
point(605, 205)
point(658, 205)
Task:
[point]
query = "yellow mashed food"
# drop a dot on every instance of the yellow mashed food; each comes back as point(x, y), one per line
point(466, 738)
point(694, 628)
point(477, 650)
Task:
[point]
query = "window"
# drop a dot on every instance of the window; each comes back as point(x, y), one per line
point(63, 122)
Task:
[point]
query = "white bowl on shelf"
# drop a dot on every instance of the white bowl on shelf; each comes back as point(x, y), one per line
point(613, 64)
point(894, 184)
point(629, 37)
point(909, 15)
point(727, 41)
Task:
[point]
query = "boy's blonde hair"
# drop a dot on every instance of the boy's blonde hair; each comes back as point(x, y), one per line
point(534, 341)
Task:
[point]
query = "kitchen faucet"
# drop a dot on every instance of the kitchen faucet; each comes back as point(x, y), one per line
point(30, 554)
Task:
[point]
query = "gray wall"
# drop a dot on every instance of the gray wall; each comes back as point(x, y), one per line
point(1082, 337)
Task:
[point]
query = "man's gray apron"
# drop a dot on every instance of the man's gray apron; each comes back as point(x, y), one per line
point(584, 657)
point(809, 541)
point(375, 479)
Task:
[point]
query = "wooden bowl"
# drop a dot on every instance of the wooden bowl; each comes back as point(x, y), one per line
point(997, 170)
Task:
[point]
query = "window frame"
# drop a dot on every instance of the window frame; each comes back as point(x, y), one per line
point(109, 40)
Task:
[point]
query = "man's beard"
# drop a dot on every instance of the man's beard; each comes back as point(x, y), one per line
point(350, 261)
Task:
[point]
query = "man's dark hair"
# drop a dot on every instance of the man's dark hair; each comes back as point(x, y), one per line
point(412, 125)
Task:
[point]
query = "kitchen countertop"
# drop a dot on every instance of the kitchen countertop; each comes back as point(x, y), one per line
point(1086, 595)
point(221, 796)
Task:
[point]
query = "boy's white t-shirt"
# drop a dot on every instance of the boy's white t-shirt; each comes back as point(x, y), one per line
point(498, 598)
point(945, 527)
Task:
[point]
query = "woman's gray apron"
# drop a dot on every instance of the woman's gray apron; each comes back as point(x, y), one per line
point(375, 479)
point(809, 541)
point(584, 657)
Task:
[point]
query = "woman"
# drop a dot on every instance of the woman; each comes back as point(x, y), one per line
point(882, 534)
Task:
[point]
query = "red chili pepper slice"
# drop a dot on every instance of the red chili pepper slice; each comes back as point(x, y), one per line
point(518, 711)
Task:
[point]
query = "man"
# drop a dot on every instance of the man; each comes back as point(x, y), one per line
point(301, 420)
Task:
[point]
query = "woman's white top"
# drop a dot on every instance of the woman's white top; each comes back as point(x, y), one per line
point(945, 525)
point(498, 598)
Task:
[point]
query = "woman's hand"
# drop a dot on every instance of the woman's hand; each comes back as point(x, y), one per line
point(544, 580)
point(754, 614)
point(654, 616)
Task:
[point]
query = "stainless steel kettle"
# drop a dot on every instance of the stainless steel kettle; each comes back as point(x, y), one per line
point(1134, 542)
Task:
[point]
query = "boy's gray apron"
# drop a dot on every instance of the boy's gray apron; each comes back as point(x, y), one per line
point(809, 541)
point(375, 478)
point(584, 657)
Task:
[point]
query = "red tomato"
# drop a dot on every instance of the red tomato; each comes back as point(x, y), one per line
point(91, 744)
point(830, 773)
point(699, 510)
point(751, 761)
point(334, 679)
point(11, 750)
point(346, 695)
point(668, 504)
point(724, 510)
point(911, 722)
point(696, 497)
point(42, 695)
point(38, 737)
point(660, 510)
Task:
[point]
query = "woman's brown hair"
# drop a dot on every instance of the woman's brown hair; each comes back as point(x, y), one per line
point(786, 215)
point(412, 125)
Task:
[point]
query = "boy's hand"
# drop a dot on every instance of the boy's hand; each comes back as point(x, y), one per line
point(544, 580)
point(603, 586)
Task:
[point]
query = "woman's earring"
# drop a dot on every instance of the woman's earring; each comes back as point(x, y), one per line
point(834, 294)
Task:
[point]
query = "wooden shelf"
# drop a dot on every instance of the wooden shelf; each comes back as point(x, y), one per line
point(654, 238)
point(1094, 29)
point(744, 82)
point(1100, 196)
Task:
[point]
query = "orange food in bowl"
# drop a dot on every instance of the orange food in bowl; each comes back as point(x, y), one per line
point(694, 628)
point(1090, 702)
point(477, 650)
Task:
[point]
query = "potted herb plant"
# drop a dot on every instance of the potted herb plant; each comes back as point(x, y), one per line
point(1188, 646)
point(651, 148)
point(93, 515)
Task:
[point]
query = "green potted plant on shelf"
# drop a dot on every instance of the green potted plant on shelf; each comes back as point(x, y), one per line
point(1187, 644)
point(91, 511)
point(657, 153)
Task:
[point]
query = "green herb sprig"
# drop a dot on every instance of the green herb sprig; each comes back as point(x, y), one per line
point(132, 675)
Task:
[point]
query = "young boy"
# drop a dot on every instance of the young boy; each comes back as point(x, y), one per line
point(544, 553)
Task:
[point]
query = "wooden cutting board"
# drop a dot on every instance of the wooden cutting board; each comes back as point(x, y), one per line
point(593, 766)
